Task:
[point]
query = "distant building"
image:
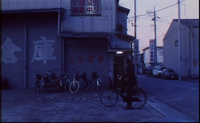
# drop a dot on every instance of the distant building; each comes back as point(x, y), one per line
point(189, 47)
point(149, 58)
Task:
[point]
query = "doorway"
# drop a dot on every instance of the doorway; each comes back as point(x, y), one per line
point(118, 66)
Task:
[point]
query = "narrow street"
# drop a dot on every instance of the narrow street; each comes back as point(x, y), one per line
point(180, 95)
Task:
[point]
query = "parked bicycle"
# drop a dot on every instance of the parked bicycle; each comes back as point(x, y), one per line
point(96, 81)
point(109, 96)
point(54, 81)
point(48, 85)
point(63, 84)
point(86, 83)
point(73, 85)
point(38, 84)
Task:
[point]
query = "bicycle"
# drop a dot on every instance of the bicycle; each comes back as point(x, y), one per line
point(86, 83)
point(96, 80)
point(61, 80)
point(55, 82)
point(109, 96)
point(48, 85)
point(72, 85)
point(38, 84)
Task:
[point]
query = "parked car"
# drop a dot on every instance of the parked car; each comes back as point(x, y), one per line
point(169, 74)
point(160, 70)
point(148, 71)
point(157, 71)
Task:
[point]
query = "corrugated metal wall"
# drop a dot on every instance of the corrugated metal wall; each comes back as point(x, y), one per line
point(88, 54)
point(33, 4)
point(29, 45)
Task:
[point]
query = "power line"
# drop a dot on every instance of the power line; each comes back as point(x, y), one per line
point(157, 10)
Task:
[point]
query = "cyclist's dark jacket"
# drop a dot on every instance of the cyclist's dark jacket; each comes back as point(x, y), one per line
point(130, 74)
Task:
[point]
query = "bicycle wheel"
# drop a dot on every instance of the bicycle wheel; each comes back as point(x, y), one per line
point(108, 97)
point(37, 86)
point(55, 88)
point(74, 87)
point(44, 88)
point(138, 99)
point(96, 84)
point(99, 84)
point(85, 85)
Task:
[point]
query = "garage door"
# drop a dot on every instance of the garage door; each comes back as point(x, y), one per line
point(87, 55)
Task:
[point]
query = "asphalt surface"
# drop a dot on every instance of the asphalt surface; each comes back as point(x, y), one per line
point(26, 105)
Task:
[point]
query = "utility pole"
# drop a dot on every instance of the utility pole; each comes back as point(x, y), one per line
point(179, 42)
point(136, 42)
point(135, 18)
point(155, 42)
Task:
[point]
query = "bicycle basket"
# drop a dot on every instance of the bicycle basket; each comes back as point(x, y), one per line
point(94, 74)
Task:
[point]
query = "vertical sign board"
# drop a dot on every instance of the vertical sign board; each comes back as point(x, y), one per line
point(136, 51)
point(151, 46)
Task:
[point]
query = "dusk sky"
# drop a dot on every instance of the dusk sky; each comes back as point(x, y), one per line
point(166, 10)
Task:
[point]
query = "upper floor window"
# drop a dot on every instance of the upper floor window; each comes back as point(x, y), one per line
point(85, 7)
point(160, 52)
point(120, 27)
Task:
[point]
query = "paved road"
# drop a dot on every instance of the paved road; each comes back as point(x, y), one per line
point(182, 96)
point(25, 105)
point(29, 106)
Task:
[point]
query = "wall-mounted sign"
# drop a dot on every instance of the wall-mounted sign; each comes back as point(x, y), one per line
point(43, 50)
point(85, 7)
point(9, 48)
point(136, 51)
point(151, 47)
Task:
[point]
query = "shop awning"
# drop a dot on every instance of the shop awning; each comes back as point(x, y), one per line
point(32, 11)
point(121, 50)
point(131, 38)
point(84, 35)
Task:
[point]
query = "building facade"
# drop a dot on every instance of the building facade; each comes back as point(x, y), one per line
point(41, 35)
point(149, 58)
point(189, 47)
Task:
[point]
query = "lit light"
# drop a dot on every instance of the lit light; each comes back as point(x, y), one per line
point(119, 52)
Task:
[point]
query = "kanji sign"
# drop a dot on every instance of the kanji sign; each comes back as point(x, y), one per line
point(85, 7)
point(43, 50)
point(86, 59)
point(9, 48)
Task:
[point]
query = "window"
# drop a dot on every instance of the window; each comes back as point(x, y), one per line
point(160, 52)
point(176, 43)
point(120, 27)
point(85, 7)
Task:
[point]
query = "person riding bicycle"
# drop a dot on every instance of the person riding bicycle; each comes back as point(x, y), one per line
point(130, 82)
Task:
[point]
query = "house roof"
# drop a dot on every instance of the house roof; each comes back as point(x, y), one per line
point(189, 22)
point(186, 22)
point(123, 9)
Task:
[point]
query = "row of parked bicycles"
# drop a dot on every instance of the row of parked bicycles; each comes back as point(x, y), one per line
point(50, 82)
